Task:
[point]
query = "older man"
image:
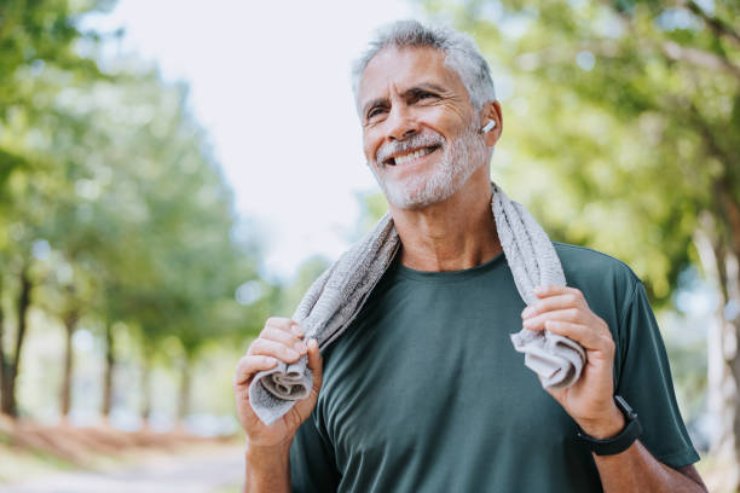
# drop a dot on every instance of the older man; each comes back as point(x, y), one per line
point(423, 391)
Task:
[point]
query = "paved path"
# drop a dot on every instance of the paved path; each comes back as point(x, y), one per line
point(214, 471)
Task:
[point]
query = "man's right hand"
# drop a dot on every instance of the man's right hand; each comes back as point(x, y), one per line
point(280, 340)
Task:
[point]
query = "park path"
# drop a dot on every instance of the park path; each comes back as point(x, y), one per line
point(213, 471)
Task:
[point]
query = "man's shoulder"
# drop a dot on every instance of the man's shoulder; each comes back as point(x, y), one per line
point(585, 267)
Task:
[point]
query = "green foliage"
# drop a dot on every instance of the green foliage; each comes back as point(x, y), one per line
point(621, 120)
point(109, 191)
point(308, 272)
point(39, 35)
point(372, 207)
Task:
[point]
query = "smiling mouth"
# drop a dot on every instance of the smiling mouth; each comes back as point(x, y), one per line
point(402, 159)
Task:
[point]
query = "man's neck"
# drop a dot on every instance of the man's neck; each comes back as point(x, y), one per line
point(459, 233)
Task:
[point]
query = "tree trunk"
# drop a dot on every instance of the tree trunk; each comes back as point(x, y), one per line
point(3, 368)
point(110, 360)
point(9, 403)
point(731, 215)
point(183, 404)
point(732, 321)
point(70, 324)
point(720, 268)
point(146, 391)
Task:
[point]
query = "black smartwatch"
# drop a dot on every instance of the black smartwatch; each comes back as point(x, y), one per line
point(621, 441)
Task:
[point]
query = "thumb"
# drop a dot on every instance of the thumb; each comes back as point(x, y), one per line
point(316, 364)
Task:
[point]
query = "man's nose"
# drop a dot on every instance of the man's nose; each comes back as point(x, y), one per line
point(401, 123)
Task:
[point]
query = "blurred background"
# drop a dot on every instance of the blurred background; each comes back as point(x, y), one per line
point(173, 172)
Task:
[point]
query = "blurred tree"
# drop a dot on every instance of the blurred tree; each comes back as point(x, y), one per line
point(372, 206)
point(627, 114)
point(308, 271)
point(160, 222)
point(66, 291)
point(111, 203)
point(38, 54)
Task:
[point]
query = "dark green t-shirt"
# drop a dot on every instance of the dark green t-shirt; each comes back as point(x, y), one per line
point(425, 393)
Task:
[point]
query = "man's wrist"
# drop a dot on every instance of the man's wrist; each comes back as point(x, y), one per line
point(615, 443)
point(606, 427)
point(268, 455)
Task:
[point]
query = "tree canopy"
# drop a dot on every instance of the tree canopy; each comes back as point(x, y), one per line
point(112, 205)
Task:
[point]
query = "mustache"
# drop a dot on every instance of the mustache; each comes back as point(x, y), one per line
point(426, 139)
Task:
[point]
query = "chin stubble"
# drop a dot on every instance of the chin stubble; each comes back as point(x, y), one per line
point(439, 184)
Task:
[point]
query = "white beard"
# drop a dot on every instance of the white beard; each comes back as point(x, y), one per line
point(461, 158)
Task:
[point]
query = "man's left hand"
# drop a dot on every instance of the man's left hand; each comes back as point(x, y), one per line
point(589, 401)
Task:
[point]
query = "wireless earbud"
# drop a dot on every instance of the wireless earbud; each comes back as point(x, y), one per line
point(488, 127)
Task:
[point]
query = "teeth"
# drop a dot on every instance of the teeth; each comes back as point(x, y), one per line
point(411, 156)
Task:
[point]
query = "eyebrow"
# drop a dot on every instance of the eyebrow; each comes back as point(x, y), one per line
point(424, 86)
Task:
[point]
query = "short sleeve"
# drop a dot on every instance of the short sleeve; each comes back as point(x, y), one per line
point(645, 382)
point(312, 466)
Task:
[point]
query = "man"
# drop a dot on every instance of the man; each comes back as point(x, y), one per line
point(423, 391)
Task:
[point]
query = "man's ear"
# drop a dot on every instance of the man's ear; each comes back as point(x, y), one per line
point(491, 112)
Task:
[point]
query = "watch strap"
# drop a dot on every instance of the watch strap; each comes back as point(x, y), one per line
point(622, 440)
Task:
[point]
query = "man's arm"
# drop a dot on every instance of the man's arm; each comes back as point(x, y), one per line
point(590, 401)
point(636, 469)
point(267, 458)
point(267, 469)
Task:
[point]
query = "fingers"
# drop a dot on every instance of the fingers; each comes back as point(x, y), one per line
point(563, 310)
point(287, 339)
point(280, 322)
point(551, 290)
point(585, 328)
point(266, 347)
point(583, 334)
point(281, 338)
point(250, 365)
point(555, 301)
point(598, 343)
point(537, 322)
point(283, 324)
point(559, 303)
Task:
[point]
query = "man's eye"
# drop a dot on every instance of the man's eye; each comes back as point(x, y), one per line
point(374, 112)
point(423, 96)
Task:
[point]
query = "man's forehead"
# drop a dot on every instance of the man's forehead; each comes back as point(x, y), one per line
point(404, 68)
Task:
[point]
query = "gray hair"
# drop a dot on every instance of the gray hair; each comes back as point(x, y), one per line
point(461, 55)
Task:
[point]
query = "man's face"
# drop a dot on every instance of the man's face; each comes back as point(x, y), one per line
point(420, 130)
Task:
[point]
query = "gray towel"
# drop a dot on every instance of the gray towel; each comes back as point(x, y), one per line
point(557, 360)
point(335, 299)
